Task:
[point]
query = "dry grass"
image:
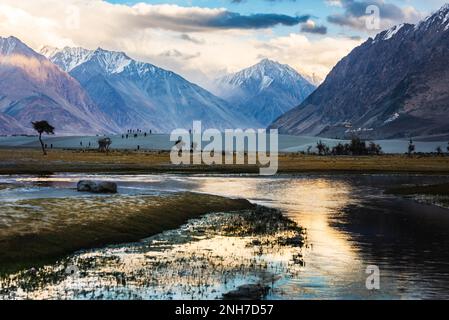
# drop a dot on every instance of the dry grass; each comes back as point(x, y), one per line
point(32, 161)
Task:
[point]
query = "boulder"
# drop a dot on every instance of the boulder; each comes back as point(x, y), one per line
point(97, 186)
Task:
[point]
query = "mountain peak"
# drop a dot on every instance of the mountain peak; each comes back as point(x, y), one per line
point(71, 57)
point(102, 51)
point(12, 45)
point(267, 61)
point(265, 70)
point(111, 61)
point(439, 19)
point(434, 22)
point(265, 90)
point(68, 58)
point(10, 39)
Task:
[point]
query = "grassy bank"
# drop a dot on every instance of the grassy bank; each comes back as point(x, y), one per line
point(33, 232)
point(32, 161)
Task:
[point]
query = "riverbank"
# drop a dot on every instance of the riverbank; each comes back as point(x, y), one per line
point(31, 161)
point(37, 231)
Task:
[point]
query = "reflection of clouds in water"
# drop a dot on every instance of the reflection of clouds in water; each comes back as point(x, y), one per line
point(310, 202)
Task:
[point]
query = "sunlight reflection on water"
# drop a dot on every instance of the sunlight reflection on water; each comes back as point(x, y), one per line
point(350, 224)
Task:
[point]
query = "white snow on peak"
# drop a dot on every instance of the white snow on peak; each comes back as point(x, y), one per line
point(68, 58)
point(264, 72)
point(113, 62)
point(392, 31)
point(441, 16)
point(142, 68)
point(446, 17)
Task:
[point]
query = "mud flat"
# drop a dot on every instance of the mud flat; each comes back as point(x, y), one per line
point(36, 231)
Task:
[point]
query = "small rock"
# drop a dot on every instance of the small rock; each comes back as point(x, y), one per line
point(97, 186)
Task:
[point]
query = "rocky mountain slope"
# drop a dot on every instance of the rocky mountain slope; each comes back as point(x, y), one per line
point(33, 88)
point(392, 86)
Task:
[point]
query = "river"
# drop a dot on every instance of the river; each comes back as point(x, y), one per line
point(349, 222)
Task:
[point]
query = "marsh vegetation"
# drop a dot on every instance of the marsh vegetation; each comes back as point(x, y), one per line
point(204, 259)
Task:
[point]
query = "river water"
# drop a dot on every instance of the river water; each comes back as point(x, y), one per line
point(350, 224)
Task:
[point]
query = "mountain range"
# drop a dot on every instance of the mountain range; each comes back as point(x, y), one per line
point(140, 95)
point(264, 91)
point(392, 86)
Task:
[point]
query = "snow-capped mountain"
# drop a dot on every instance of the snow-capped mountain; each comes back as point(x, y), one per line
point(33, 88)
point(141, 95)
point(392, 86)
point(68, 58)
point(264, 91)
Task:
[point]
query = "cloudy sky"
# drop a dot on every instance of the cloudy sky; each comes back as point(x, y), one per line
point(202, 39)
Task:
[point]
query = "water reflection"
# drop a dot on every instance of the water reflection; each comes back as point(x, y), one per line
point(350, 224)
point(331, 259)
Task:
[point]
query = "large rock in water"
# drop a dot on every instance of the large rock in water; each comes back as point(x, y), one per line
point(97, 186)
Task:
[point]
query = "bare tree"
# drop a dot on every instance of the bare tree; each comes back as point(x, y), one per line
point(43, 127)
